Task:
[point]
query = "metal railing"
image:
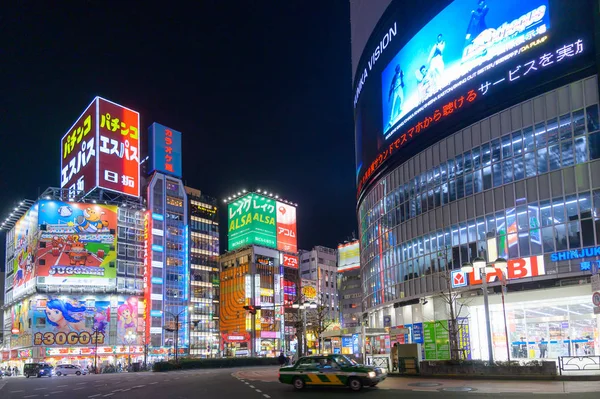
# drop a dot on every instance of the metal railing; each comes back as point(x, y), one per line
point(578, 363)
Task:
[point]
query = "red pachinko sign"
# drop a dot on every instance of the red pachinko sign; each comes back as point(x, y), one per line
point(119, 148)
point(424, 124)
point(102, 149)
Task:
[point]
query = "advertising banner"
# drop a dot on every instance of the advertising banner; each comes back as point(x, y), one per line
point(289, 292)
point(70, 320)
point(165, 145)
point(119, 148)
point(286, 228)
point(429, 346)
point(131, 321)
point(442, 341)
point(20, 315)
point(77, 240)
point(462, 65)
point(78, 153)
point(417, 331)
point(252, 220)
point(26, 242)
point(348, 256)
point(309, 289)
point(290, 261)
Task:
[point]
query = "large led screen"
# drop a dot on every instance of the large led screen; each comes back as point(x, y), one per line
point(26, 242)
point(472, 59)
point(252, 220)
point(77, 242)
point(348, 255)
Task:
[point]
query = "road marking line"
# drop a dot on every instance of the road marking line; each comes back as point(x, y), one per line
point(247, 383)
point(139, 386)
point(62, 386)
point(265, 395)
point(258, 390)
point(93, 396)
point(56, 392)
point(425, 390)
point(251, 386)
point(76, 389)
point(16, 391)
point(117, 390)
point(128, 389)
point(152, 383)
point(39, 389)
point(29, 396)
point(108, 394)
point(81, 383)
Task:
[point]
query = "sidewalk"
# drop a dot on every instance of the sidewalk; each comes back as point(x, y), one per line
point(437, 384)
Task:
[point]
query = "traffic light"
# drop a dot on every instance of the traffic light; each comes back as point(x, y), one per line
point(252, 309)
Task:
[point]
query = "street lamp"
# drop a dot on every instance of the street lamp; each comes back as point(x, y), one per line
point(129, 338)
point(176, 329)
point(303, 306)
point(484, 268)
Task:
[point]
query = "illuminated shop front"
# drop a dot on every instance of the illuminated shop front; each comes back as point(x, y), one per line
point(479, 148)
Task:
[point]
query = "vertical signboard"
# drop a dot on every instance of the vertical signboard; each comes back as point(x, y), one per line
point(442, 342)
point(286, 228)
point(78, 153)
point(429, 346)
point(348, 256)
point(165, 150)
point(26, 242)
point(147, 272)
point(118, 155)
point(102, 149)
point(251, 220)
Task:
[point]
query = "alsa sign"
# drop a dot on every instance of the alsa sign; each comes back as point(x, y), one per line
point(516, 269)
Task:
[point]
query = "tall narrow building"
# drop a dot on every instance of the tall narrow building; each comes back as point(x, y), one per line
point(204, 274)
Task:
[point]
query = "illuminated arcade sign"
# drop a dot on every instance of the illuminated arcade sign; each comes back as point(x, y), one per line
point(466, 54)
point(102, 149)
point(165, 144)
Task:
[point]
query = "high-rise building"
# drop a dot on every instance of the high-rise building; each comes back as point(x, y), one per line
point(262, 245)
point(471, 150)
point(349, 284)
point(320, 265)
point(204, 274)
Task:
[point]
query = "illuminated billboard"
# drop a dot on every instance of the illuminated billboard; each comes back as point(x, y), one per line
point(77, 242)
point(79, 320)
point(286, 227)
point(165, 150)
point(348, 256)
point(102, 149)
point(252, 220)
point(480, 56)
point(26, 243)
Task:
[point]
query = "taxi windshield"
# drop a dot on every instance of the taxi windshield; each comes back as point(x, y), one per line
point(345, 361)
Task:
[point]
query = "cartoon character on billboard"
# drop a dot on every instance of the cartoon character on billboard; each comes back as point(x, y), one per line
point(65, 316)
point(127, 317)
point(396, 94)
point(477, 22)
point(78, 254)
point(89, 222)
point(101, 320)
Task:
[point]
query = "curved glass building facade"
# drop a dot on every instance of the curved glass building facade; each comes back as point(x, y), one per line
point(451, 171)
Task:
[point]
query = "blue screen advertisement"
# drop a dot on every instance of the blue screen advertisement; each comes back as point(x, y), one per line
point(165, 149)
point(463, 37)
point(474, 58)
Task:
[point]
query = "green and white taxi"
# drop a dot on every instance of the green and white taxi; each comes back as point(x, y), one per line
point(330, 370)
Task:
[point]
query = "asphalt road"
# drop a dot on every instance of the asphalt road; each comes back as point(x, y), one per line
point(219, 384)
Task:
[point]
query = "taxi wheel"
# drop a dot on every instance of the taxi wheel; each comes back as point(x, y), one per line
point(58, 374)
point(298, 383)
point(355, 384)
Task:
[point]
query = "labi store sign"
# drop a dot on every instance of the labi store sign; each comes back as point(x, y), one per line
point(516, 269)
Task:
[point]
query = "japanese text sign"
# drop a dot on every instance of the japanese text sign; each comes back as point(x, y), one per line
point(165, 150)
point(102, 150)
point(286, 227)
point(289, 261)
point(251, 220)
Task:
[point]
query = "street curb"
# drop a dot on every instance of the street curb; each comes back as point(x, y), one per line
point(501, 377)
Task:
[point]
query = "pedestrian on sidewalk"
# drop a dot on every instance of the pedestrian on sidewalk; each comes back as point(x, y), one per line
point(281, 359)
point(543, 348)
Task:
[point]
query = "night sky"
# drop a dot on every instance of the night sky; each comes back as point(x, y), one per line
point(261, 91)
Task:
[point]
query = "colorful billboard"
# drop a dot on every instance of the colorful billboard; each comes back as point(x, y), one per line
point(469, 61)
point(102, 149)
point(289, 261)
point(131, 315)
point(165, 150)
point(309, 289)
point(286, 228)
point(26, 243)
point(348, 256)
point(70, 320)
point(252, 220)
point(20, 316)
point(77, 241)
